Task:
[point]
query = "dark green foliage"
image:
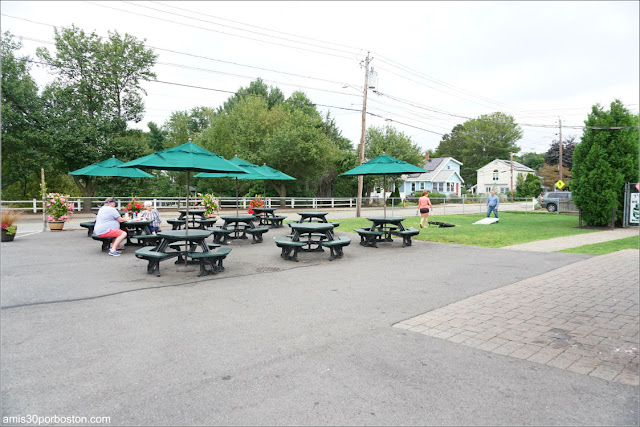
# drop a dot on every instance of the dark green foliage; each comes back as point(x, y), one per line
point(603, 162)
point(479, 141)
point(532, 160)
point(527, 187)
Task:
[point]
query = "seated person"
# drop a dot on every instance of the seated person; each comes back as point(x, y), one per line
point(108, 225)
point(152, 214)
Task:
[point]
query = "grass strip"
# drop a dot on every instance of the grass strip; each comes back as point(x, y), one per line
point(606, 247)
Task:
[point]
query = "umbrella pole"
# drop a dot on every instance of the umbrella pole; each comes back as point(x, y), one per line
point(384, 194)
point(237, 213)
point(186, 227)
point(113, 187)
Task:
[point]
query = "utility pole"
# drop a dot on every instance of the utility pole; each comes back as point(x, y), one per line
point(560, 150)
point(511, 177)
point(364, 116)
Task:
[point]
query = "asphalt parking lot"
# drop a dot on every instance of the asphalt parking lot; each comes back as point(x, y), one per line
point(274, 342)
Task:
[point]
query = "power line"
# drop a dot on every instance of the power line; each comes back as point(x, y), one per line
point(235, 28)
point(221, 32)
point(186, 54)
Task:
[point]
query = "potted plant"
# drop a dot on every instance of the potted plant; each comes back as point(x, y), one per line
point(58, 210)
point(8, 218)
point(134, 207)
point(256, 203)
point(210, 205)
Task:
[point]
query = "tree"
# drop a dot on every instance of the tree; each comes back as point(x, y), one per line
point(604, 161)
point(550, 175)
point(552, 155)
point(531, 160)
point(96, 92)
point(155, 137)
point(257, 89)
point(393, 143)
point(24, 150)
point(476, 142)
point(528, 187)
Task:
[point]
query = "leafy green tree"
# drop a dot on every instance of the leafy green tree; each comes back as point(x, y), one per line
point(300, 148)
point(389, 141)
point(531, 160)
point(24, 148)
point(604, 161)
point(257, 89)
point(527, 187)
point(551, 174)
point(97, 90)
point(477, 142)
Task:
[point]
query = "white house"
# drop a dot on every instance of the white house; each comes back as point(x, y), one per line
point(443, 176)
point(496, 175)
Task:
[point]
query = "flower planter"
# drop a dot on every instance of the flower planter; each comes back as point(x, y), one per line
point(6, 237)
point(56, 225)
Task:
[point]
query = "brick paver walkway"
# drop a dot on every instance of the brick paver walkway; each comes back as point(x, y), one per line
point(582, 317)
point(560, 243)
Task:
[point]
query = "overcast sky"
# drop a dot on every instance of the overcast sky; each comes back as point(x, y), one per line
point(438, 63)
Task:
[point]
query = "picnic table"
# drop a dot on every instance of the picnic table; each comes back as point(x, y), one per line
point(136, 227)
point(237, 227)
point(311, 215)
point(312, 236)
point(267, 216)
point(381, 230)
point(171, 246)
point(200, 213)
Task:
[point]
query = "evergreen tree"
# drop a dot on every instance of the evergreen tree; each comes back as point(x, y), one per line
point(604, 161)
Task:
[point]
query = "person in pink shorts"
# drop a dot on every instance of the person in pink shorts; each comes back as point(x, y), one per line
point(108, 225)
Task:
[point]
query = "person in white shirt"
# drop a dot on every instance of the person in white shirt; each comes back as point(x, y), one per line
point(108, 225)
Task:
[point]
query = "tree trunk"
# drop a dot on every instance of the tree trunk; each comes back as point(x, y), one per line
point(281, 189)
point(87, 190)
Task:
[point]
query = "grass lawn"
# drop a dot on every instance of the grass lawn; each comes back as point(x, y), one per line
point(606, 247)
point(512, 229)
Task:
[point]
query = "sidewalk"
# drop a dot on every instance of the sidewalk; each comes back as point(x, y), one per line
point(560, 243)
point(582, 318)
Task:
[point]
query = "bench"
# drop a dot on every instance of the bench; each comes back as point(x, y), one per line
point(89, 226)
point(176, 224)
point(106, 241)
point(214, 259)
point(335, 224)
point(406, 235)
point(289, 246)
point(256, 233)
point(336, 247)
point(147, 239)
point(273, 221)
point(206, 223)
point(149, 253)
point(221, 235)
point(368, 237)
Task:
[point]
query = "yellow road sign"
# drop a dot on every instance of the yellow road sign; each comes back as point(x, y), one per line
point(560, 184)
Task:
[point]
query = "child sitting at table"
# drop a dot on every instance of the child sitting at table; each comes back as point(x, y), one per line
point(150, 213)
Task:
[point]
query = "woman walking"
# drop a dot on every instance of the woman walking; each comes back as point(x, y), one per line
point(424, 204)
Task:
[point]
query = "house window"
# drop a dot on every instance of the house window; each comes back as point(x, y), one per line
point(422, 185)
point(495, 174)
point(451, 187)
point(413, 187)
point(487, 189)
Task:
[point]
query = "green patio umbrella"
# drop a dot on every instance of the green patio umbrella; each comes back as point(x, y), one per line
point(110, 167)
point(384, 165)
point(251, 172)
point(187, 157)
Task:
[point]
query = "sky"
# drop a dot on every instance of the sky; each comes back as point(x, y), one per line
point(438, 64)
